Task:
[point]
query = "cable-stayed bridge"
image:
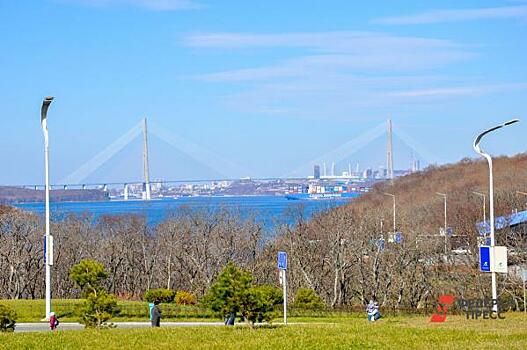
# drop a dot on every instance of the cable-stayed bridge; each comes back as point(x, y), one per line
point(227, 169)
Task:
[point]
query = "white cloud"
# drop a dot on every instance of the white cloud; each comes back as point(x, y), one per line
point(341, 75)
point(365, 62)
point(459, 91)
point(345, 41)
point(155, 5)
point(441, 16)
point(331, 52)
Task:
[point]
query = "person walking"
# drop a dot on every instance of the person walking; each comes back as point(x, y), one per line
point(229, 320)
point(155, 315)
point(53, 321)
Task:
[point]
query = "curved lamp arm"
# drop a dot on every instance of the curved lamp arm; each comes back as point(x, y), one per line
point(44, 112)
point(477, 148)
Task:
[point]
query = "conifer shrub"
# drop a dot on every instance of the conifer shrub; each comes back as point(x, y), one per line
point(185, 298)
point(7, 319)
point(308, 299)
point(162, 295)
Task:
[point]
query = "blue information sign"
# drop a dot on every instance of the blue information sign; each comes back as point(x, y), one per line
point(282, 260)
point(484, 258)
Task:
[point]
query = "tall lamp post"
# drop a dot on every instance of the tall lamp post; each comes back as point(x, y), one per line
point(445, 227)
point(393, 196)
point(48, 239)
point(482, 195)
point(478, 150)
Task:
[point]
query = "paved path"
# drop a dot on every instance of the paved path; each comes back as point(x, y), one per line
point(44, 327)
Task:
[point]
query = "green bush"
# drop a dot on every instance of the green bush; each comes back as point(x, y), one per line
point(233, 293)
point(99, 306)
point(88, 276)
point(7, 319)
point(185, 298)
point(162, 295)
point(261, 304)
point(308, 299)
point(98, 309)
point(229, 292)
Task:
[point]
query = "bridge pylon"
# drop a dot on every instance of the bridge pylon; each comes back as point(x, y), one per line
point(146, 185)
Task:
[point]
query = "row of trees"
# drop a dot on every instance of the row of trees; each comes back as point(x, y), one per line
point(343, 254)
point(187, 251)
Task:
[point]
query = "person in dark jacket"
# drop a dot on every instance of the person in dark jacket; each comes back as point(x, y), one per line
point(229, 320)
point(156, 315)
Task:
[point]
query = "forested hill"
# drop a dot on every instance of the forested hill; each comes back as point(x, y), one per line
point(420, 209)
point(347, 254)
point(9, 195)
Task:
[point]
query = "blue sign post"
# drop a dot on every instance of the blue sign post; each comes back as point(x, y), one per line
point(282, 266)
point(484, 258)
point(282, 260)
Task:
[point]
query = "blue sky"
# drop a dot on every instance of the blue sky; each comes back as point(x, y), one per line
point(262, 87)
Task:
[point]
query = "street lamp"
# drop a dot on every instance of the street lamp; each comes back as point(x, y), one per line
point(445, 227)
point(393, 196)
point(478, 150)
point(48, 239)
point(482, 195)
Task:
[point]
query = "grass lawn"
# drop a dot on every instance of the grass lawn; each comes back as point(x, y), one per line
point(33, 310)
point(398, 332)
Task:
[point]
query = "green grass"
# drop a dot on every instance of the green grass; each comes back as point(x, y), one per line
point(414, 332)
point(33, 310)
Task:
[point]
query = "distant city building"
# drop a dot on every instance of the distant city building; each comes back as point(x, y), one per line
point(316, 171)
point(383, 172)
point(416, 165)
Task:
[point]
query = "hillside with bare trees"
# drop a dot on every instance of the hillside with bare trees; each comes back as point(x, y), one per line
point(345, 254)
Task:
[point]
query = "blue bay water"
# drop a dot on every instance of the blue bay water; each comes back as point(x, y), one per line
point(270, 210)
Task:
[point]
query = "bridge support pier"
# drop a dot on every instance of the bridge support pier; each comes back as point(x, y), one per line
point(146, 191)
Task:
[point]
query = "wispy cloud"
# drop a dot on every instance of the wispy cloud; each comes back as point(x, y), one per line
point(154, 5)
point(344, 74)
point(459, 91)
point(364, 62)
point(440, 16)
point(344, 41)
point(331, 53)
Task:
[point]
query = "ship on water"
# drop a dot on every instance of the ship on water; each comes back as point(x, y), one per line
point(325, 192)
